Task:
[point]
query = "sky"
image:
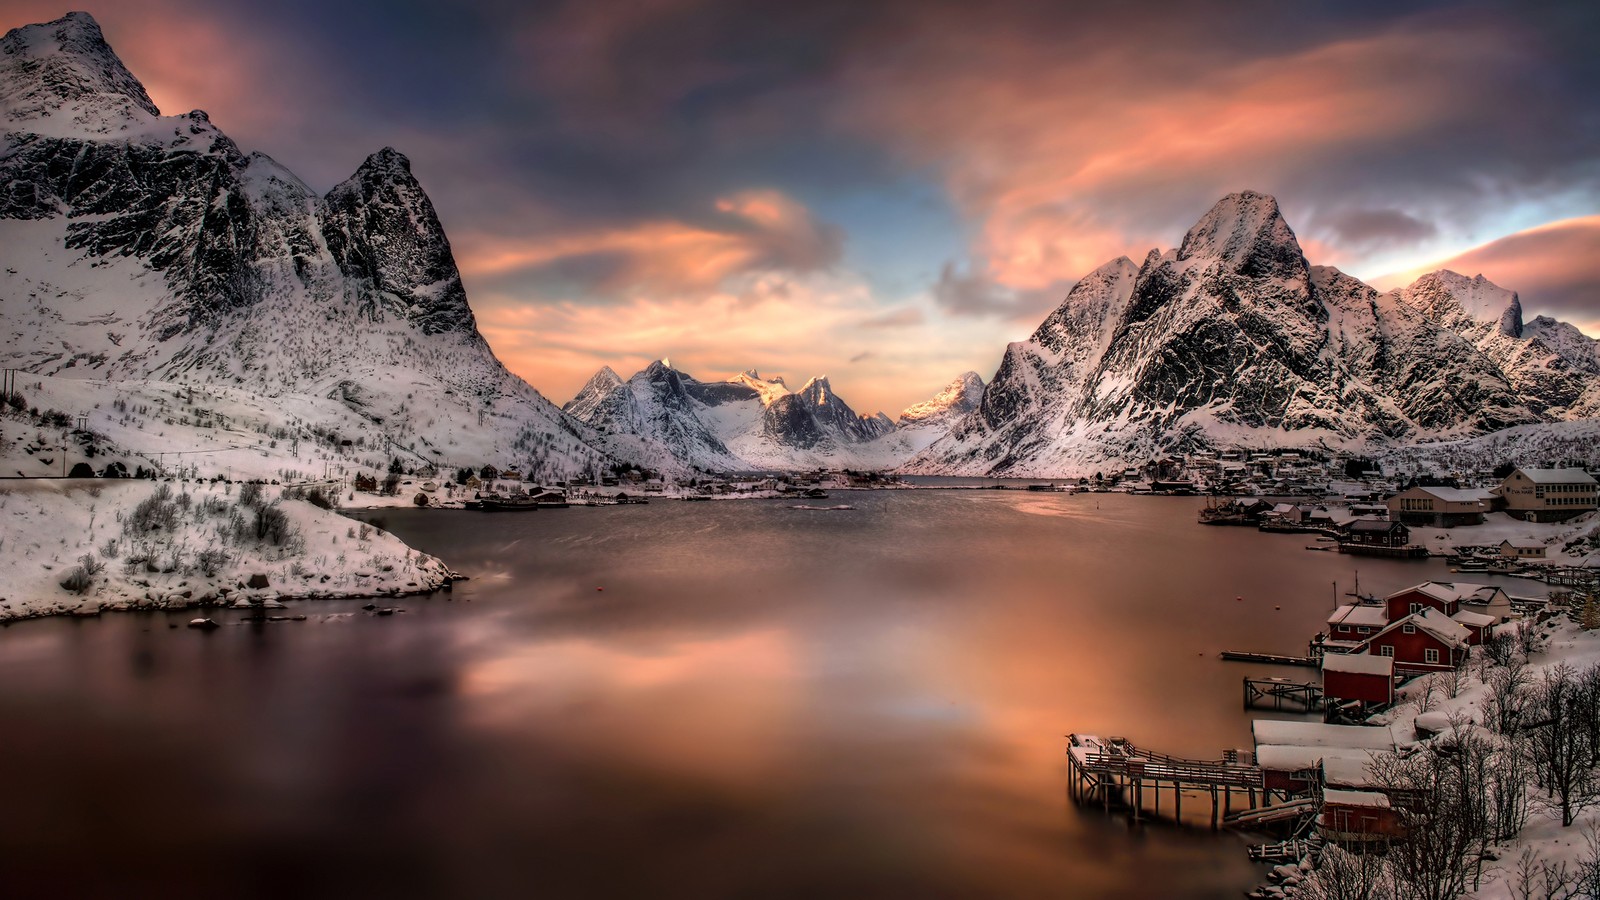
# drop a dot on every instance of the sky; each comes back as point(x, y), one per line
point(889, 192)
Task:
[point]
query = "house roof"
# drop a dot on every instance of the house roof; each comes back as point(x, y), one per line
point(1441, 627)
point(1355, 798)
point(1316, 734)
point(1359, 614)
point(1475, 620)
point(1523, 543)
point(1358, 664)
point(1381, 526)
point(1351, 770)
point(1443, 591)
point(1558, 476)
point(1456, 495)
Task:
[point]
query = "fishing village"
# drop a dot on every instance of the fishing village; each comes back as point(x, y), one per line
point(1437, 670)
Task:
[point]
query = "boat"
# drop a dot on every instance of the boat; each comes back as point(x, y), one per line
point(512, 503)
point(816, 494)
point(430, 486)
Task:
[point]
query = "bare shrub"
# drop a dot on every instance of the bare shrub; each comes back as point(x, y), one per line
point(210, 561)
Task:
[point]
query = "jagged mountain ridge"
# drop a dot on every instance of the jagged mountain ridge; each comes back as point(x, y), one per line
point(153, 248)
point(748, 423)
point(1235, 339)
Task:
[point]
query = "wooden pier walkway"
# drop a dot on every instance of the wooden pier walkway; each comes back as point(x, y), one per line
point(1113, 770)
point(1275, 659)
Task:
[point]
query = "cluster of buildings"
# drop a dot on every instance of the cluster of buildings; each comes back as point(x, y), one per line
point(1425, 628)
point(1533, 495)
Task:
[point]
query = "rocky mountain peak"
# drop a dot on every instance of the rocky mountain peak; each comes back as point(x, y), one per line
point(1246, 233)
point(1458, 301)
point(959, 397)
point(816, 391)
point(66, 67)
point(384, 233)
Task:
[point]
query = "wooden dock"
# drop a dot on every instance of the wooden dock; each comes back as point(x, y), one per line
point(1112, 771)
point(1281, 694)
point(1274, 659)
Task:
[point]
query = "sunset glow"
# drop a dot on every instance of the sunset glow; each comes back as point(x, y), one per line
point(890, 192)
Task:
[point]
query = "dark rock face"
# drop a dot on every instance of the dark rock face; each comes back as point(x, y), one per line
point(833, 414)
point(158, 250)
point(788, 420)
point(381, 228)
point(1234, 338)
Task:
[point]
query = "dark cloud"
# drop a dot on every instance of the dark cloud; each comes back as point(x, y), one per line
point(969, 293)
point(1369, 228)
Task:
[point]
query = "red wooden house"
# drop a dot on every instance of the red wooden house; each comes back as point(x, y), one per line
point(1446, 598)
point(1358, 676)
point(1426, 641)
point(1431, 595)
point(1358, 816)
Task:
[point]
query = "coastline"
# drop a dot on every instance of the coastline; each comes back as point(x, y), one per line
point(204, 556)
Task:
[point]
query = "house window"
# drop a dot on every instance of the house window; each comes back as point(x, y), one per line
point(1430, 655)
point(1344, 629)
point(1364, 630)
point(1415, 608)
point(1408, 628)
point(1386, 650)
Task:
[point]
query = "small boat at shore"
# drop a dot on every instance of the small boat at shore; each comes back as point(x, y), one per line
point(514, 503)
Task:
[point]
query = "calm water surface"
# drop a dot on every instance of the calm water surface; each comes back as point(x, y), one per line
point(732, 699)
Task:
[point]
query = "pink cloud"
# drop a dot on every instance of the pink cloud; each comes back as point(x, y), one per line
point(1067, 156)
point(1555, 270)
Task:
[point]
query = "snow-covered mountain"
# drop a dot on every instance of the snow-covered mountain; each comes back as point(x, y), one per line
point(1235, 339)
point(150, 248)
point(959, 397)
point(746, 423)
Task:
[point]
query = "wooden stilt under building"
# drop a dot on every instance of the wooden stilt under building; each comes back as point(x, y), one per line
point(1113, 770)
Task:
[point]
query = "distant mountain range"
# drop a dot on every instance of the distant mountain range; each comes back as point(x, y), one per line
point(144, 249)
point(671, 419)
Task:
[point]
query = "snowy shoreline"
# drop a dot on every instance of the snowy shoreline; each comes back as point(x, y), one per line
point(82, 548)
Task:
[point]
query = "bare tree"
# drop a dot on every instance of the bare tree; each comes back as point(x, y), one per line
point(1559, 744)
point(1508, 697)
point(1438, 817)
point(1345, 875)
point(1529, 640)
point(1454, 680)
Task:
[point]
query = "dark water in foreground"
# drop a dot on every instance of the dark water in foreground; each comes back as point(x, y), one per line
point(761, 702)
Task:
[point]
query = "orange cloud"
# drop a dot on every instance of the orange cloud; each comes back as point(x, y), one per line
point(1068, 156)
point(792, 325)
point(751, 230)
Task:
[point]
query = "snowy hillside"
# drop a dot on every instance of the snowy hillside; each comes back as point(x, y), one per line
point(85, 547)
point(143, 248)
point(1234, 339)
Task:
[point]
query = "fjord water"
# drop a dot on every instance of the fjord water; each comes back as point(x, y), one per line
point(672, 700)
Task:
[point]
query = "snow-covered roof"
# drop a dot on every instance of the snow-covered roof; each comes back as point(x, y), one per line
point(1457, 495)
point(1475, 620)
point(1358, 664)
point(1380, 526)
point(1434, 622)
point(1355, 798)
point(1523, 543)
point(1317, 734)
point(1360, 614)
point(1558, 476)
point(1349, 771)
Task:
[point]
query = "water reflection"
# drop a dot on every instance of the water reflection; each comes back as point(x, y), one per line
point(717, 699)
